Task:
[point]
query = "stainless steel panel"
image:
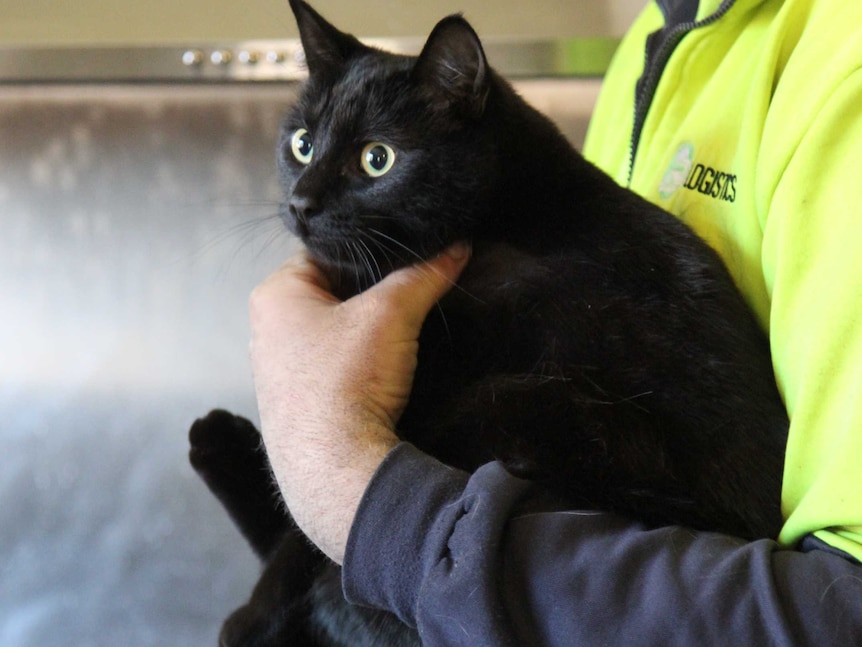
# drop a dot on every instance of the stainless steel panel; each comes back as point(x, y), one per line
point(133, 223)
point(132, 226)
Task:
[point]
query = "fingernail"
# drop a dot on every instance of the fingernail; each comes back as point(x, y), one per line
point(459, 251)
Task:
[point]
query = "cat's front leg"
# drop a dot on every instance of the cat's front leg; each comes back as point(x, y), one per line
point(228, 454)
point(594, 450)
point(521, 420)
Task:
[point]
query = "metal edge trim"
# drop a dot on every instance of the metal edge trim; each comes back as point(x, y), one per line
point(274, 60)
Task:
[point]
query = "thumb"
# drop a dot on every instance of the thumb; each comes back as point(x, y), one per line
point(414, 290)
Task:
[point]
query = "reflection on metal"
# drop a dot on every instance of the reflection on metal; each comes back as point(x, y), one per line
point(134, 221)
point(275, 60)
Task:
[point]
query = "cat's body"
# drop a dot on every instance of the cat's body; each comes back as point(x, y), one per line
point(593, 344)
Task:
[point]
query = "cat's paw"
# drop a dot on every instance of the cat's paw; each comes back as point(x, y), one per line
point(228, 454)
point(219, 439)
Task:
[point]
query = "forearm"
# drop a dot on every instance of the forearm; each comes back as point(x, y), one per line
point(446, 547)
point(332, 378)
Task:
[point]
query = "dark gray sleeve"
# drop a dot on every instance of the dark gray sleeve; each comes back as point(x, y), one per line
point(450, 554)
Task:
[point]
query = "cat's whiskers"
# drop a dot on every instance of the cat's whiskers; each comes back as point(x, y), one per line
point(355, 265)
point(366, 258)
point(378, 216)
point(381, 239)
point(370, 255)
point(257, 234)
point(275, 234)
point(245, 230)
point(423, 267)
point(386, 252)
point(337, 277)
point(421, 261)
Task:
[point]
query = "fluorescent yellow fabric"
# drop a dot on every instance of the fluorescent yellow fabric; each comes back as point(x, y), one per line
point(754, 138)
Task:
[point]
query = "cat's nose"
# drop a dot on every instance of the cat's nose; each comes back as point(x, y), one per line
point(304, 208)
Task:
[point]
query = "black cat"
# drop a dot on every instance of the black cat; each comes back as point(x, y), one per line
point(594, 344)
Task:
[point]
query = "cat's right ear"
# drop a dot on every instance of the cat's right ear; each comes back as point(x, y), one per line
point(326, 48)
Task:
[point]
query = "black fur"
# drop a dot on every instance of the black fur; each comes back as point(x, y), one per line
point(594, 343)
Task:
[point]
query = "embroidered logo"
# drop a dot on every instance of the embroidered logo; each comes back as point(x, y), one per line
point(677, 172)
point(683, 173)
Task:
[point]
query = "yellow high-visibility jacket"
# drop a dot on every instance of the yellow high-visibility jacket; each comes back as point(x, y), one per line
point(744, 118)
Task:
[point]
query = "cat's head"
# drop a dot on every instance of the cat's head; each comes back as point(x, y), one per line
point(385, 159)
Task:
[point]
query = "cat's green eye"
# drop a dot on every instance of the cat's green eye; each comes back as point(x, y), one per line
point(377, 159)
point(302, 146)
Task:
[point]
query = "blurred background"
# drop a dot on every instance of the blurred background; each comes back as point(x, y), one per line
point(137, 210)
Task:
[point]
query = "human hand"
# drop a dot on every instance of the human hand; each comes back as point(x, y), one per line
point(332, 378)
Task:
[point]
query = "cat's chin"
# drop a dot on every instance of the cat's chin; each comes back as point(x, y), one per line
point(348, 274)
point(353, 267)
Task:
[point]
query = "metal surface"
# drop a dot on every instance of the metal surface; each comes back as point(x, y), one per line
point(133, 225)
point(134, 221)
point(275, 60)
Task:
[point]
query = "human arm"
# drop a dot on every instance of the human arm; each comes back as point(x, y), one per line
point(466, 565)
point(811, 262)
point(331, 380)
point(455, 554)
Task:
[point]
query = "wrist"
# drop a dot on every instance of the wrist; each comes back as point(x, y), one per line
point(323, 494)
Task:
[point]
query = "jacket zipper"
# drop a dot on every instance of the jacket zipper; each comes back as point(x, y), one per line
point(653, 70)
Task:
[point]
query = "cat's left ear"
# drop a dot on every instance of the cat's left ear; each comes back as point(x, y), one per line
point(326, 48)
point(452, 68)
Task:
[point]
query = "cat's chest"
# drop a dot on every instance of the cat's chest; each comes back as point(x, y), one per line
point(497, 318)
point(498, 277)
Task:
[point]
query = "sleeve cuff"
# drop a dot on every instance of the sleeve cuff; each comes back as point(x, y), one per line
point(401, 530)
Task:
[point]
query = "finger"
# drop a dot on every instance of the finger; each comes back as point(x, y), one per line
point(302, 269)
point(298, 277)
point(415, 289)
